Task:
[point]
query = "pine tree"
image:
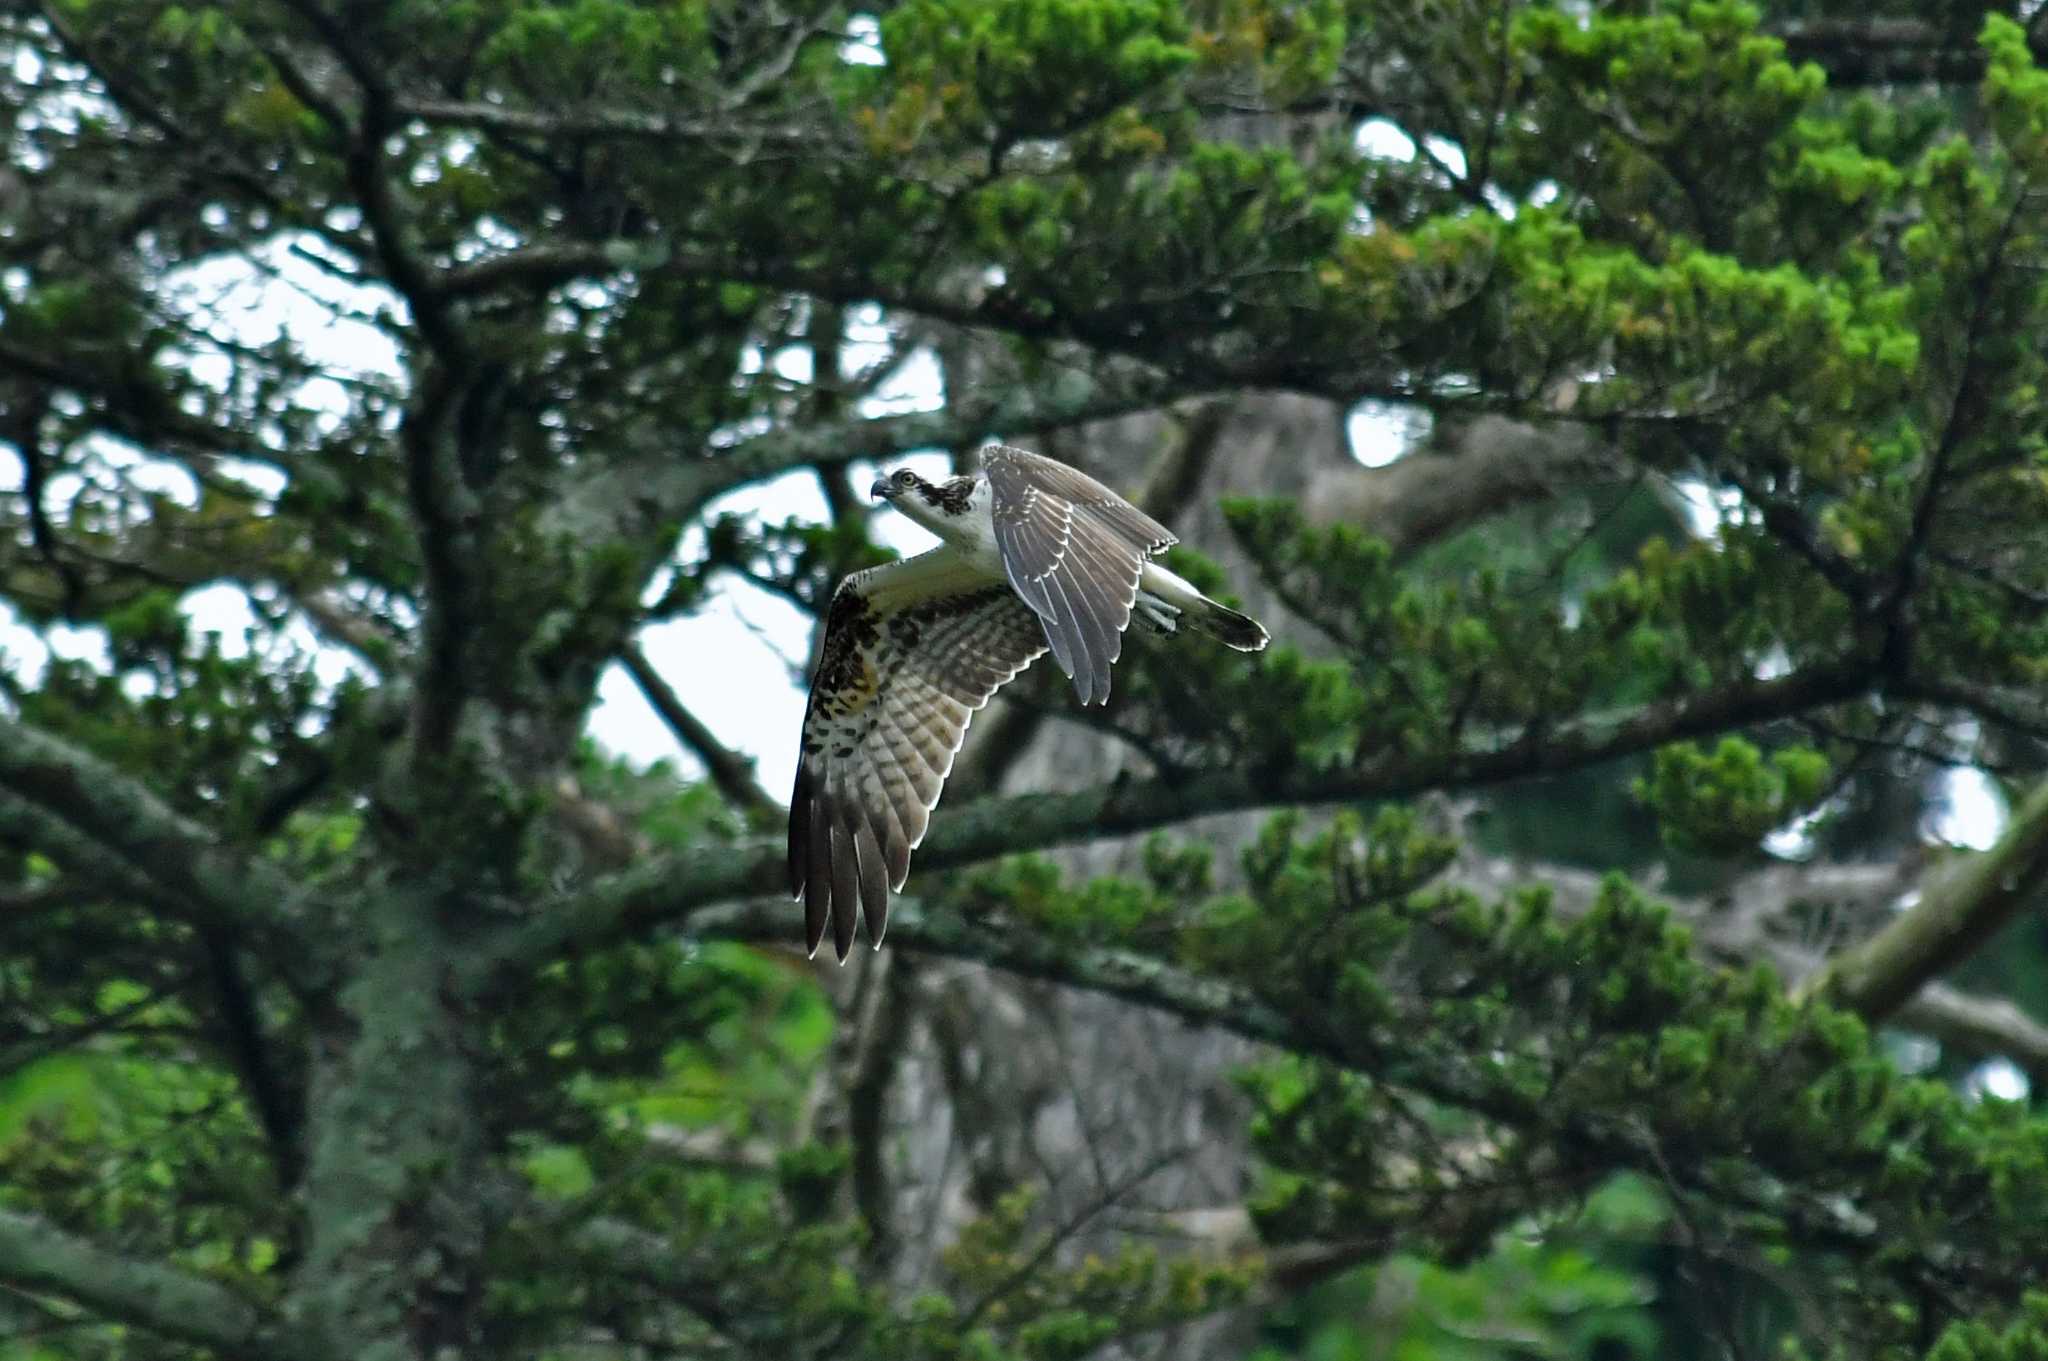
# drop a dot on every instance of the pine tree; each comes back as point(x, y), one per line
point(356, 1005)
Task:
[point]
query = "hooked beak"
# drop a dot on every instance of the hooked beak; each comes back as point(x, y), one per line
point(880, 490)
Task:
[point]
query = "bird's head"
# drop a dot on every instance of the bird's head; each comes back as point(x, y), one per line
point(935, 505)
point(895, 484)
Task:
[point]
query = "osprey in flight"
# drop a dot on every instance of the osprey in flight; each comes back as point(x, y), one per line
point(1035, 556)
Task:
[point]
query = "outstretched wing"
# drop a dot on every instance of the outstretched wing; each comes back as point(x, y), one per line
point(1074, 550)
point(912, 649)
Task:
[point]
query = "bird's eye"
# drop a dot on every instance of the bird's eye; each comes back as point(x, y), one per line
point(904, 477)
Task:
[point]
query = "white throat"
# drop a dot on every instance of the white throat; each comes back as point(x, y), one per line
point(972, 531)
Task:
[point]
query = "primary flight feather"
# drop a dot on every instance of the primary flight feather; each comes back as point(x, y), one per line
point(1035, 556)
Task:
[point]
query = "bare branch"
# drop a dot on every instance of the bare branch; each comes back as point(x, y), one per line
point(1979, 1026)
point(340, 621)
point(730, 771)
point(1073, 1224)
point(279, 1106)
point(1070, 399)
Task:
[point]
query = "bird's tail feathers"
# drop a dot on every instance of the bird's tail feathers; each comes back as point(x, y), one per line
point(1166, 602)
point(1227, 626)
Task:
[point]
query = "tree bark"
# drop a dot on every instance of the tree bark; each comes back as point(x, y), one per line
point(395, 1224)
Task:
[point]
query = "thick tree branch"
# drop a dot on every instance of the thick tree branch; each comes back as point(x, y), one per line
point(1480, 468)
point(1962, 907)
point(1884, 51)
point(41, 1258)
point(591, 121)
point(149, 840)
point(343, 623)
point(279, 1105)
point(88, 865)
point(1123, 974)
point(672, 888)
point(1977, 1026)
point(446, 512)
point(435, 430)
point(2022, 711)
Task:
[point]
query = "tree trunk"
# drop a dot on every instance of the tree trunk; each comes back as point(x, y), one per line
point(394, 1214)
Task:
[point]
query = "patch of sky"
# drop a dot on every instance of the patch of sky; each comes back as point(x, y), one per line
point(1908, 1052)
point(1795, 840)
point(863, 41)
point(1999, 1079)
point(1968, 809)
point(1380, 432)
point(1706, 509)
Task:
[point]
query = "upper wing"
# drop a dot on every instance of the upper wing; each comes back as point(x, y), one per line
point(911, 650)
point(1074, 550)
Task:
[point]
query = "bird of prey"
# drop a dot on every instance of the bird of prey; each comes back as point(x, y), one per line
point(1035, 556)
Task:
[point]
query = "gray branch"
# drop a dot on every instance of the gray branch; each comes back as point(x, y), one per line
point(41, 1258)
point(592, 121)
point(1463, 473)
point(94, 804)
point(1071, 398)
point(1963, 906)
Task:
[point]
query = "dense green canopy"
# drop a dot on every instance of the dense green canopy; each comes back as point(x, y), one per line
point(369, 1011)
